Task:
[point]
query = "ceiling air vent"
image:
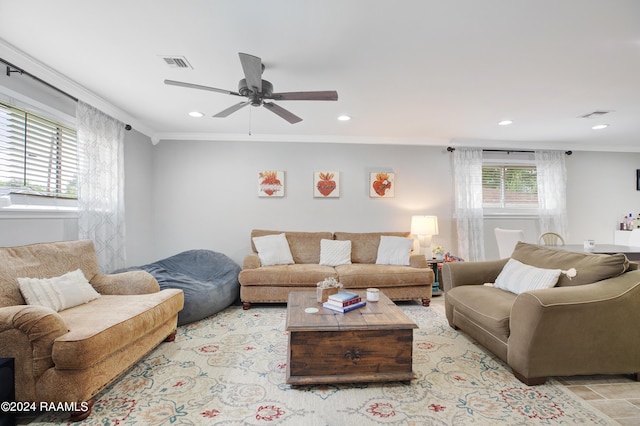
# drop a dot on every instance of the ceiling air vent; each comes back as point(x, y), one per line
point(595, 114)
point(177, 62)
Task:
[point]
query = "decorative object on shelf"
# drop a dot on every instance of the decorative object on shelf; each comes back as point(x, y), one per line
point(271, 183)
point(326, 288)
point(382, 185)
point(424, 227)
point(438, 252)
point(326, 184)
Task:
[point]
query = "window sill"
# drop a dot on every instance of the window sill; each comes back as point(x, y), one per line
point(510, 215)
point(24, 206)
point(18, 211)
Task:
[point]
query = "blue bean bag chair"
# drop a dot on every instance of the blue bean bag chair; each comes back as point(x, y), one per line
point(208, 279)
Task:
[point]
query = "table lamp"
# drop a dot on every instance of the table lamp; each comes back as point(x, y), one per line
point(424, 227)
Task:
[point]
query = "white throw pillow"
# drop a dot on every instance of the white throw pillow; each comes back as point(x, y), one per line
point(273, 250)
point(394, 251)
point(517, 277)
point(334, 252)
point(58, 293)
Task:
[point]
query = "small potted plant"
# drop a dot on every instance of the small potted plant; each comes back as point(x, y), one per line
point(326, 288)
point(438, 252)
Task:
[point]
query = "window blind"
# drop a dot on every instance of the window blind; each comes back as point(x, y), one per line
point(37, 155)
point(509, 186)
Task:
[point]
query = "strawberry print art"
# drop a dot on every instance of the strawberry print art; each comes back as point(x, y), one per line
point(382, 185)
point(326, 184)
point(271, 183)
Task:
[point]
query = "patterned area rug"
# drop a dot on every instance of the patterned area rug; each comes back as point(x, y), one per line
point(229, 369)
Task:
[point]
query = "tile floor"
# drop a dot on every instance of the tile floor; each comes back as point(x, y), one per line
point(616, 396)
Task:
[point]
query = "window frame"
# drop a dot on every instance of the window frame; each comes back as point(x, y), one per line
point(22, 203)
point(511, 210)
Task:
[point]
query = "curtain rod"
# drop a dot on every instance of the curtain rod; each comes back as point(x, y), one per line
point(508, 151)
point(12, 68)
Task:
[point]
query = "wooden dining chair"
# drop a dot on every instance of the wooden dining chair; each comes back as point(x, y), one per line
point(550, 239)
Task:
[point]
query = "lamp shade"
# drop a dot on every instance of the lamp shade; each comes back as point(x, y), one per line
point(424, 225)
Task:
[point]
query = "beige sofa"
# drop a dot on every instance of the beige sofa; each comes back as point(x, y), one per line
point(71, 355)
point(585, 325)
point(272, 284)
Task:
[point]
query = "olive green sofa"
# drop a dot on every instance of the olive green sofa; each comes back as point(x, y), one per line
point(585, 325)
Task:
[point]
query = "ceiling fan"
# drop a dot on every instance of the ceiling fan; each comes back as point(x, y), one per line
point(258, 91)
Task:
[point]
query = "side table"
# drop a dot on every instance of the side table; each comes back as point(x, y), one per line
point(435, 265)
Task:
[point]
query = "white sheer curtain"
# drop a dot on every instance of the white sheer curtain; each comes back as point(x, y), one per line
point(552, 191)
point(101, 185)
point(467, 170)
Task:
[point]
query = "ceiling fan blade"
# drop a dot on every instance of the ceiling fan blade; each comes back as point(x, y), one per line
point(232, 109)
point(325, 95)
point(197, 86)
point(278, 110)
point(252, 67)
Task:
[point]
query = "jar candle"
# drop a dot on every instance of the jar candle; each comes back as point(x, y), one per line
point(373, 294)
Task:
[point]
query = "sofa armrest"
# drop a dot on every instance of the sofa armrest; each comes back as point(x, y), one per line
point(131, 282)
point(27, 333)
point(455, 274)
point(418, 261)
point(251, 261)
point(577, 329)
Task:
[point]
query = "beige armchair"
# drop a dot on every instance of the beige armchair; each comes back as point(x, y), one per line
point(71, 355)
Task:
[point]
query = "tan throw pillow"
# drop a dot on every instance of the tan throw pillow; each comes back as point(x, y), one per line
point(58, 293)
point(394, 251)
point(273, 250)
point(334, 253)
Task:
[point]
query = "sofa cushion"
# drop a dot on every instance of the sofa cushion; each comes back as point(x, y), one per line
point(517, 277)
point(273, 250)
point(394, 251)
point(58, 293)
point(287, 275)
point(26, 261)
point(304, 246)
point(362, 275)
point(364, 245)
point(107, 324)
point(590, 267)
point(334, 253)
point(489, 307)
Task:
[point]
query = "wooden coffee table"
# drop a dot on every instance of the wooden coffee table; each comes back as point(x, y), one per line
point(369, 344)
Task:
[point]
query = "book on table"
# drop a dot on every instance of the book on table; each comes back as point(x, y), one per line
point(345, 303)
point(343, 296)
point(344, 309)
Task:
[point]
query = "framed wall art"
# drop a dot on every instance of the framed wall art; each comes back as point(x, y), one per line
point(271, 183)
point(326, 184)
point(382, 185)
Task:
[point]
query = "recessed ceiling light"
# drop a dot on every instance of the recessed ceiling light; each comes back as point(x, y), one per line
point(504, 122)
point(600, 126)
point(196, 114)
point(344, 118)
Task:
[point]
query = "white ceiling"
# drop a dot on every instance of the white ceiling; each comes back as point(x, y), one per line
point(407, 71)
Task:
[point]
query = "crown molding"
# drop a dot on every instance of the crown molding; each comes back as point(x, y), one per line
point(31, 65)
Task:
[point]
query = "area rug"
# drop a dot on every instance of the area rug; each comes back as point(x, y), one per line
point(229, 369)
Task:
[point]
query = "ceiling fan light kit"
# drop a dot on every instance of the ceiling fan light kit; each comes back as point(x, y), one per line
point(257, 91)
